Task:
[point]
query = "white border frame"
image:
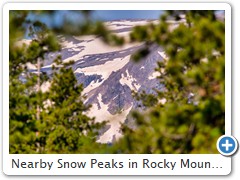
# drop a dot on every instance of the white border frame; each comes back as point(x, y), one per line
point(114, 6)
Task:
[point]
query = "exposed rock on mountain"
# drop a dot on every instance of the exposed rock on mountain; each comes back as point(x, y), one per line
point(109, 75)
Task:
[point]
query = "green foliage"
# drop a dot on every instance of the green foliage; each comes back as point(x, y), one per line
point(190, 121)
point(66, 129)
point(193, 116)
point(44, 122)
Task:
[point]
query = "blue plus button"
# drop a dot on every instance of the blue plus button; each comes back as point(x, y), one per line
point(227, 145)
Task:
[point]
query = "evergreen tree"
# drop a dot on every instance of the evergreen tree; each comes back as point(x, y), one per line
point(23, 91)
point(65, 126)
point(193, 116)
point(44, 122)
point(190, 121)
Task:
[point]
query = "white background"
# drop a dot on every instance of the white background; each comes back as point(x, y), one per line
point(235, 100)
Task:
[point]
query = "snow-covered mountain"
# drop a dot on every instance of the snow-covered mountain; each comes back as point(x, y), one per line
point(109, 75)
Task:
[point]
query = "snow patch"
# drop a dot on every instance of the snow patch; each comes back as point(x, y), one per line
point(85, 38)
point(163, 54)
point(101, 114)
point(92, 86)
point(76, 49)
point(31, 66)
point(162, 101)
point(97, 46)
point(105, 69)
point(129, 81)
point(205, 60)
point(154, 75)
point(70, 45)
point(45, 86)
point(115, 25)
point(20, 43)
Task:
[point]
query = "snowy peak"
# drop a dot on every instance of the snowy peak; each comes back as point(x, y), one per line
point(109, 75)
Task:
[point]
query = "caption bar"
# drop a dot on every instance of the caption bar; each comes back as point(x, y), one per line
point(119, 164)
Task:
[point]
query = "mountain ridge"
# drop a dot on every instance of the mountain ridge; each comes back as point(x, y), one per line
point(109, 75)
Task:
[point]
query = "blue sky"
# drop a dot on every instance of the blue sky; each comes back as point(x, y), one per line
point(104, 15)
point(126, 14)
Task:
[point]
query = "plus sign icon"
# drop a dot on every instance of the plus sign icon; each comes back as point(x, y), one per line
point(227, 145)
